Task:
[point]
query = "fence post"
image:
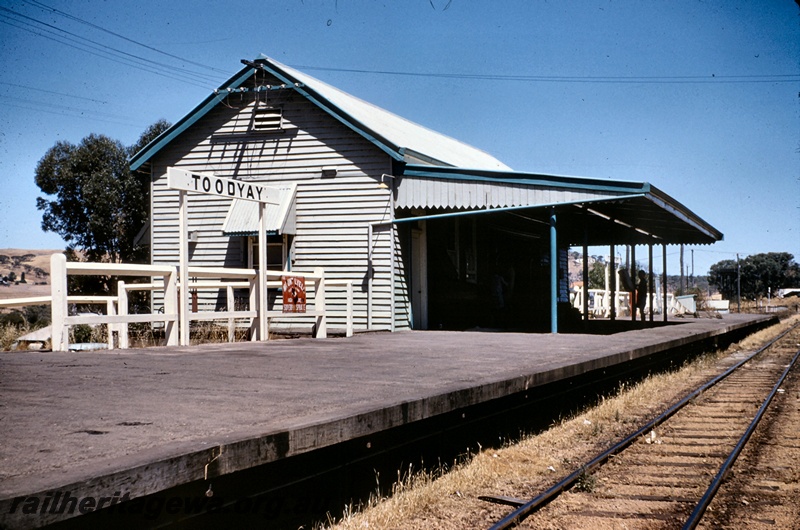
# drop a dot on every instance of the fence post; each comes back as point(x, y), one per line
point(349, 332)
point(231, 320)
point(319, 305)
point(253, 305)
point(110, 311)
point(122, 309)
point(171, 307)
point(58, 306)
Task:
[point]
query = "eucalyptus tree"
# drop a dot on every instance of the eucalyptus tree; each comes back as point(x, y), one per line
point(94, 202)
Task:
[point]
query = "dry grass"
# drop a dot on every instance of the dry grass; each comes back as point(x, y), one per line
point(9, 333)
point(211, 332)
point(449, 500)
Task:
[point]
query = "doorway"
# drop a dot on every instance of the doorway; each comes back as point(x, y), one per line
point(419, 277)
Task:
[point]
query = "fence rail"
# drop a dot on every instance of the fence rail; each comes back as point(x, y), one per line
point(164, 278)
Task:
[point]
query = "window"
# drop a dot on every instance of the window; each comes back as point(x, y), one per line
point(267, 119)
point(277, 253)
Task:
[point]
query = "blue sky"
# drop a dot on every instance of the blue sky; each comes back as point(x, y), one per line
point(699, 98)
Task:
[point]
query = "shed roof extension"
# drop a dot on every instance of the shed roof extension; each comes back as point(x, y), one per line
point(595, 211)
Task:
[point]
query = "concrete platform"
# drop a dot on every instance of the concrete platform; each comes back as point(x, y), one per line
point(141, 421)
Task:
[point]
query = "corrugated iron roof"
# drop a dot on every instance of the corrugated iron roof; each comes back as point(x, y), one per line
point(597, 211)
point(404, 135)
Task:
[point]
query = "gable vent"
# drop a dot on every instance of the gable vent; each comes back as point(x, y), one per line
point(268, 119)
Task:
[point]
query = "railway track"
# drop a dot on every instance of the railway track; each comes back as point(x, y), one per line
point(666, 474)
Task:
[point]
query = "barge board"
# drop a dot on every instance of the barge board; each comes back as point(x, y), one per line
point(142, 421)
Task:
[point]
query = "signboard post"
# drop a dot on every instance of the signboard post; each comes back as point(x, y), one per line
point(190, 181)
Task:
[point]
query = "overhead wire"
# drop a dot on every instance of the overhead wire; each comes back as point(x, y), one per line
point(163, 69)
point(97, 51)
point(59, 110)
point(712, 78)
point(704, 79)
point(23, 87)
point(42, 5)
point(43, 29)
point(105, 56)
point(38, 103)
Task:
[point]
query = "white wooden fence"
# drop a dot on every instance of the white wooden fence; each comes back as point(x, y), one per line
point(600, 303)
point(164, 278)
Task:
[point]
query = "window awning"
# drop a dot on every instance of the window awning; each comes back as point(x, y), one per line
point(242, 218)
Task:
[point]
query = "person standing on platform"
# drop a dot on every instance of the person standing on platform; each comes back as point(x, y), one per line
point(641, 294)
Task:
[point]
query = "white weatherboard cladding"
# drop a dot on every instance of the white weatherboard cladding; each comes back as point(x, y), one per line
point(221, 144)
point(332, 233)
point(332, 213)
point(420, 192)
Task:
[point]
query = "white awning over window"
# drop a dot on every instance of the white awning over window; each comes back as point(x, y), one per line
point(242, 218)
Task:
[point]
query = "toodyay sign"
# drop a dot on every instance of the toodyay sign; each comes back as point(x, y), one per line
point(179, 179)
point(191, 182)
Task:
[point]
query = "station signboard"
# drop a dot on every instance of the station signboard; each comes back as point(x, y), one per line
point(180, 179)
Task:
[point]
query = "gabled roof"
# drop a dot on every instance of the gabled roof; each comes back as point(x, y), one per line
point(398, 137)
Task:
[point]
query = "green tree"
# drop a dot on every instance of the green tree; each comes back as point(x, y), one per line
point(97, 205)
point(759, 274)
point(597, 275)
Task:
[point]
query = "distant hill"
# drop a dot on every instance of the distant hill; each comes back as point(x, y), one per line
point(35, 264)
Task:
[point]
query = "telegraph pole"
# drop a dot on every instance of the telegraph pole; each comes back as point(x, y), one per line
point(738, 284)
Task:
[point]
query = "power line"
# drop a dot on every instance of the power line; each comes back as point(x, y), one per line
point(82, 43)
point(77, 113)
point(775, 78)
point(100, 28)
point(53, 92)
point(82, 112)
point(99, 51)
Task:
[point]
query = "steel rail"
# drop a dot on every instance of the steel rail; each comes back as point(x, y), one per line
point(712, 490)
point(525, 509)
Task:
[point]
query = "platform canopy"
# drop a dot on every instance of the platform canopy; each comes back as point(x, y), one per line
point(589, 211)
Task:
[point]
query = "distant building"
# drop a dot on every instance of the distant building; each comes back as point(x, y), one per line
point(436, 234)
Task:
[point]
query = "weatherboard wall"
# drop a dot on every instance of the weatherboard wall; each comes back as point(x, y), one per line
point(333, 213)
